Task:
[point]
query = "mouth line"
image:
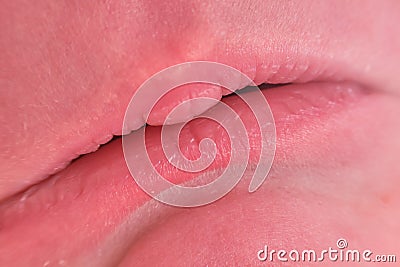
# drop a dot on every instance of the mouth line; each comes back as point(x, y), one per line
point(107, 141)
point(102, 178)
point(63, 166)
point(90, 133)
point(262, 86)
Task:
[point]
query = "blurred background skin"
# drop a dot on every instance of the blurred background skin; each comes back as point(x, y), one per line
point(60, 59)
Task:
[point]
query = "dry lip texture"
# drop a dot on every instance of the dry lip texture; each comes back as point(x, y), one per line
point(68, 143)
point(101, 182)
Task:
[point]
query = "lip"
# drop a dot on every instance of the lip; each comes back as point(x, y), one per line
point(100, 181)
point(273, 67)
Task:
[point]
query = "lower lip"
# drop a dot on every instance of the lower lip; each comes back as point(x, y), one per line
point(96, 200)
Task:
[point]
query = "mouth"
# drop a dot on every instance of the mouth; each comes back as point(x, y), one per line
point(68, 197)
point(95, 198)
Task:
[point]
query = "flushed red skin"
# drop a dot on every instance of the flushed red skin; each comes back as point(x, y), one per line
point(91, 60)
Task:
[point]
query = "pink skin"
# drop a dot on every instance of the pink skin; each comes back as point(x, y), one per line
point(69, 71)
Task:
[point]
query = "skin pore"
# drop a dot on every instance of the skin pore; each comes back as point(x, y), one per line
point(68, 70)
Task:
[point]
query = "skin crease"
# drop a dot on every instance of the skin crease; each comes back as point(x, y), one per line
point(83, 54)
